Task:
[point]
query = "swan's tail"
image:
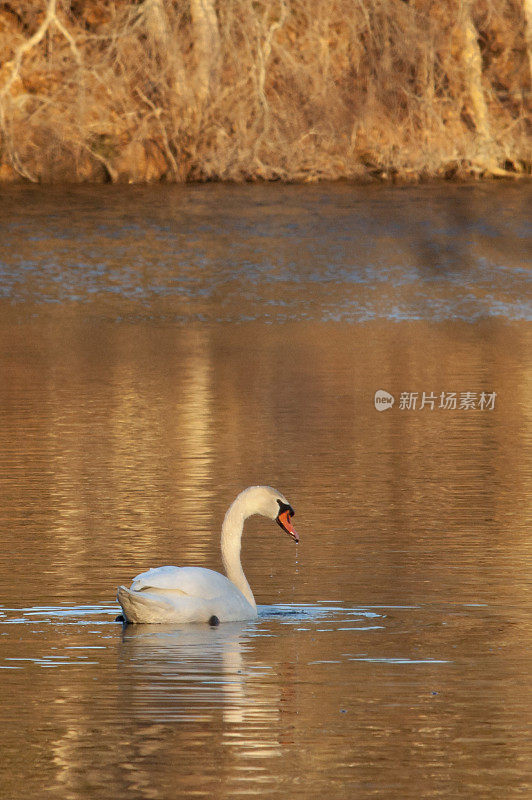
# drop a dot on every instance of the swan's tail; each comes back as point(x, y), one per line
point(143, 606)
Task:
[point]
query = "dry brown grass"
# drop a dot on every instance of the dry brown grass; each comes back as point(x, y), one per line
point(263, 89)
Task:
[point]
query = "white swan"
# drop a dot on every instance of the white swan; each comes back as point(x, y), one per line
point(195, 594)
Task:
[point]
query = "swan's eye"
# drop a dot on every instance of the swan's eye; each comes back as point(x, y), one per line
point(285, 507)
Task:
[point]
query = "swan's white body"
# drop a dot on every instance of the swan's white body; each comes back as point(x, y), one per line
point(195, 594)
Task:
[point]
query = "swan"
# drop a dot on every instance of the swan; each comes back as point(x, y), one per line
point(196, 594)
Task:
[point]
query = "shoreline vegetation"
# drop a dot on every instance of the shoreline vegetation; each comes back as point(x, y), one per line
point(250, 90)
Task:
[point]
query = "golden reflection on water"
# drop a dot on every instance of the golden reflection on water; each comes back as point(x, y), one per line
point(122, 447)
point(135, 437)
point(268, 705)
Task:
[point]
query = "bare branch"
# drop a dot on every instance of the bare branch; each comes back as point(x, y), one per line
point(50, 18)
point(28, 45)
point(157, 114)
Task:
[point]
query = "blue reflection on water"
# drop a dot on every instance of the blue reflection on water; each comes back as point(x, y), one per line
point(272, 253)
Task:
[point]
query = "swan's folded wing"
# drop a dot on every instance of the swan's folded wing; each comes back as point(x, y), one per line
point(190, 581)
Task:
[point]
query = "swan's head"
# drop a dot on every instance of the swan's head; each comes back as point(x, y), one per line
point(272, 504)
point(284, 517)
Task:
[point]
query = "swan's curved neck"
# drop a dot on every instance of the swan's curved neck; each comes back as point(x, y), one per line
point(231, 538)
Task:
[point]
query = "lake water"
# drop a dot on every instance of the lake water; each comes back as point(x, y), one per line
point(163, 348)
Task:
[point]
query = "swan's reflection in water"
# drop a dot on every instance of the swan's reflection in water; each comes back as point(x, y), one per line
point(195, 673)
point(206, 689)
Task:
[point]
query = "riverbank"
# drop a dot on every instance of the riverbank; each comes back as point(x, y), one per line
point(297, 91)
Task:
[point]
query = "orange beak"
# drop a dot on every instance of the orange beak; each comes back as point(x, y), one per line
point(284, 521)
